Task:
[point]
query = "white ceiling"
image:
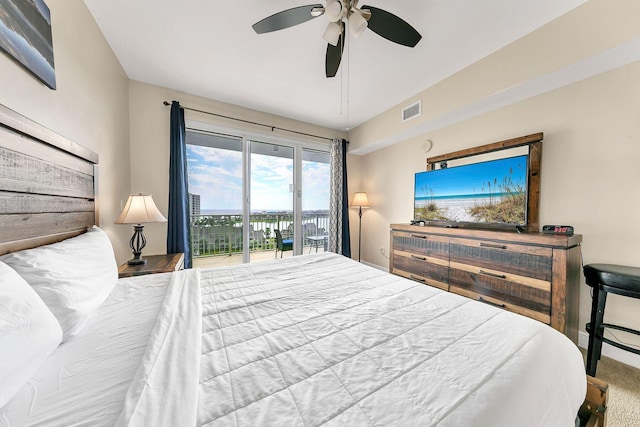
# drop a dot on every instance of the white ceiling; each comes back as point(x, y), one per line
point(208, 48)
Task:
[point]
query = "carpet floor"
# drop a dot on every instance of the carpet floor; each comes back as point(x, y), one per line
point(624, 392)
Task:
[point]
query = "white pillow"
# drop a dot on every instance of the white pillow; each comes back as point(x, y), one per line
point(73, 277)
point(29, 332)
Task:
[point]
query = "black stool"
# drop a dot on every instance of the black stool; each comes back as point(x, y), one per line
point(604, 278)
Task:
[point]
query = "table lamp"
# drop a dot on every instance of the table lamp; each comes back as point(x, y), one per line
point(360, 201)
point(140, 209)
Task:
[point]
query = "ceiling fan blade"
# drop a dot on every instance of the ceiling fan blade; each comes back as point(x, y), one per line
point(285, 19)
point(334, 56)
point(392, 28)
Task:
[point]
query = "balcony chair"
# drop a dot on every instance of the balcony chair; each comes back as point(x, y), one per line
point(282, 245)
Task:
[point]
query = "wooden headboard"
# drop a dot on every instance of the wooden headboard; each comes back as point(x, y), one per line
point(47, 185)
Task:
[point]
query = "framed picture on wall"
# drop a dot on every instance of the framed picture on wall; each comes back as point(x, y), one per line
point(25, 35)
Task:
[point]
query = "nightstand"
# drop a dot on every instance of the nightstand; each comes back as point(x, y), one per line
point(155, 264)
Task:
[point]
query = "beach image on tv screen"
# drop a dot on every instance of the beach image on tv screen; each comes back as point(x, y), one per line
point(486, 192)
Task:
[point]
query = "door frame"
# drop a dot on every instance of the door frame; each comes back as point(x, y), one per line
point(247, 136)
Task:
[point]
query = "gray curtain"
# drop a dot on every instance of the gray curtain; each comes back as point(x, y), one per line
point(339, 237)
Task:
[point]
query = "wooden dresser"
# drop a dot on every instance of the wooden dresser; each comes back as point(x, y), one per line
point(536, 275)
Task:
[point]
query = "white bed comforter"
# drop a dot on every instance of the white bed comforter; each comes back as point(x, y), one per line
point(164, 390)
point(323, 340)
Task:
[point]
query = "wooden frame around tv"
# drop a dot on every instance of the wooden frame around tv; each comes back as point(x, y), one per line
point(534, 141)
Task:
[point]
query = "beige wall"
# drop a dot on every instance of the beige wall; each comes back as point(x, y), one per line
point(590, 170)
point(594, 27)
point(97, 106)
point(149, 133)
point(591, 131)
point(89, 107)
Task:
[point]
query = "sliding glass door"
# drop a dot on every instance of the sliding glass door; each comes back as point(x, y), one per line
point(272, 198)
point(315, 199)
point(243, 189)
point(214, 165)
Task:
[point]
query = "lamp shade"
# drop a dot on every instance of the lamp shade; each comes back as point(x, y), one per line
point(334, 10)
point(357, 24)
point(332, 33)
point(140, 209)
point(360, 200)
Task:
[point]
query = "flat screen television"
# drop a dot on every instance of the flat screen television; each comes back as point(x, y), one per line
point(485, 193)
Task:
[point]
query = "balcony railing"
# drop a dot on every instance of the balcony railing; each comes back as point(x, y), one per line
point(213, 235)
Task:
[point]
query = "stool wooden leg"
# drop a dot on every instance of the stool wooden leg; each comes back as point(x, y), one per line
point(597, 330)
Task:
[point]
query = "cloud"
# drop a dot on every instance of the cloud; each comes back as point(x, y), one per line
point(216, 175)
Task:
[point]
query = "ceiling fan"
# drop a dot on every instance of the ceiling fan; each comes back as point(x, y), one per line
point(339, 13)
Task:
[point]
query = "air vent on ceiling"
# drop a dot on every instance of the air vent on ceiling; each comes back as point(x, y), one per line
point(413, 110)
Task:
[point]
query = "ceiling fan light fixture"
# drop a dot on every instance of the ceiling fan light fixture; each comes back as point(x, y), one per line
point(357, 24)
point(334, 10)
point(332, 33)
point(340, 13)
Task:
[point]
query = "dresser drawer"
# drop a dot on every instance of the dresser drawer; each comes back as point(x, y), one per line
point(421, 257)
point(523, 295)
point(430, 271)
point(420, 244)
point(532, 274)
point(522, 260)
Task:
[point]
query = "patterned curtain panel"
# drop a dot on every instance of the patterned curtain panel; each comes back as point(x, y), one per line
point(178, 227)
point(339, 240)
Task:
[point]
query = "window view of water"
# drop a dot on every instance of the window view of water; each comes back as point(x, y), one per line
point(215, 171)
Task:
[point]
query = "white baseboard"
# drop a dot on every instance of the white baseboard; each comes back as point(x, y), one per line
point(612, 352)
point(379, 267)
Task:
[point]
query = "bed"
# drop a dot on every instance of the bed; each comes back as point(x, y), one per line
point(316, 339)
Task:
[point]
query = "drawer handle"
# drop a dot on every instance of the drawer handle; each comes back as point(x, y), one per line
point(492, 245)
point(421, 258)
point(486, 273)
point(495, 304)
point(419, 236)
point(419, 279)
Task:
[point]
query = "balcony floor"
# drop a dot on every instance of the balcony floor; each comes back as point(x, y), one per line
point(235, 259)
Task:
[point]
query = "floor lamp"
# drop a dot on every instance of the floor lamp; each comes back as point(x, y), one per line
point(360, 201)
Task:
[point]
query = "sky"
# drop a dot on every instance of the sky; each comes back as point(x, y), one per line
point(216, 175)
point(470, 179)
